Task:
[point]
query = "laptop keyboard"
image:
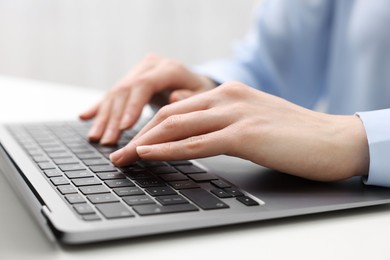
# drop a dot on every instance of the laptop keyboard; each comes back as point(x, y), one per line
point(95, 189)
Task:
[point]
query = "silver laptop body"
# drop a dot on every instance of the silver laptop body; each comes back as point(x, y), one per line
point(264, 194)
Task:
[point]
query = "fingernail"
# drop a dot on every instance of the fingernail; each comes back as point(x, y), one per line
point(116, 156)
point(93, 132)
point(107, 137)
point(144, 149)
point(125, 122)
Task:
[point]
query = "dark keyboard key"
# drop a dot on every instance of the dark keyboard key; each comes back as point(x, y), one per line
point(151, 164)
point(150, 182)
point(131, 168)
point(119, 183)
point(204, 199)
point(142, 174)
point(66, 189)
point(177, 163)
point(201, 177)
point(52, 173)
point(114, 210)
point(221, 193)
point(83, 209)
point(160, 191)
point(75, 198)
point(102, 198)
point(59, 181)
point(110, 175)
point(138, 200)
point(181, 185)
point(91, 162)
point(220, 184)
point(78, 174)
point(155, 209)
point(171, 200)
point(163, 170)
point(188, 169)
point(103, 168)
point(106, 149)
point(65, 161)
point(247, 201)
point(128, 191)
point(46, 165)
point(173, 177)
point(86, 181)
point(96, 189)
point(72, 167)
point(234, 192)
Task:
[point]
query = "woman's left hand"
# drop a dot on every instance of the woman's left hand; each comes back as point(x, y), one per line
point(237, 120)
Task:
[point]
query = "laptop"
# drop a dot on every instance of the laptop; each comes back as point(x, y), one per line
point(78, 196)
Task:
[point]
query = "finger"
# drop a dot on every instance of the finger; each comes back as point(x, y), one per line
point(97, 129)
point(181, 94)
point(91, 112)
point(182, 126)
point(193, 147)
point(112, 131)
point(138, 98)
point(195, 103)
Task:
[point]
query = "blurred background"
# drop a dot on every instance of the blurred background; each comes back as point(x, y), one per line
point(92, 43)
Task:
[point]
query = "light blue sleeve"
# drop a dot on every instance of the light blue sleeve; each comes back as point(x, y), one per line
point(285, 52)
point(377, 125)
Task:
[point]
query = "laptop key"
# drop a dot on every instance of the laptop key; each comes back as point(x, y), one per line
point(138, 200)
point(102, 198)
point(128, 191)
point(103, 168)
point(74, 198)
point(86, 181)
point(110, 175)
point(95, 189)
point(65, 161)
point(66, 189)
point(91, 217)
point(91, 162)
point(150, 182)
point(46, 165)
point(78, 174)
point(114, 210)
point(119, 183)
point(83, 209)
point(234, 192)
point(220, 184)
point(72, 167)
point(173, 177)
point(160, 191)
point(201, 177)
point(59, 181)
point(171, 200)
point(221, 193)
point(154, 209)
point(247, 201)
point(181, 185)
point(204, 199)
point(52, 173)
point(188, 169)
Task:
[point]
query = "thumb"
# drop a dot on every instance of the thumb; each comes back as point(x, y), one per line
point(180, 94)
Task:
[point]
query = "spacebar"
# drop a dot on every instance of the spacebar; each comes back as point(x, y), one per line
point(204, 199)
point(155, 209)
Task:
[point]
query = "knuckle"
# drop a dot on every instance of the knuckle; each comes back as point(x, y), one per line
point(174, 65)
point(232, 88)
point(195, 143)
point(163, 113)
point(172, 122)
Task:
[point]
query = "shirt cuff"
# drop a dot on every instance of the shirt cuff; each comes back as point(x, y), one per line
point(377, 126)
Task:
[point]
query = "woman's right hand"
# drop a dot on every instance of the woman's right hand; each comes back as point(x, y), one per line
point(123, 104)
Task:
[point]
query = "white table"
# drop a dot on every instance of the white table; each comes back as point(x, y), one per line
point(352, 234)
